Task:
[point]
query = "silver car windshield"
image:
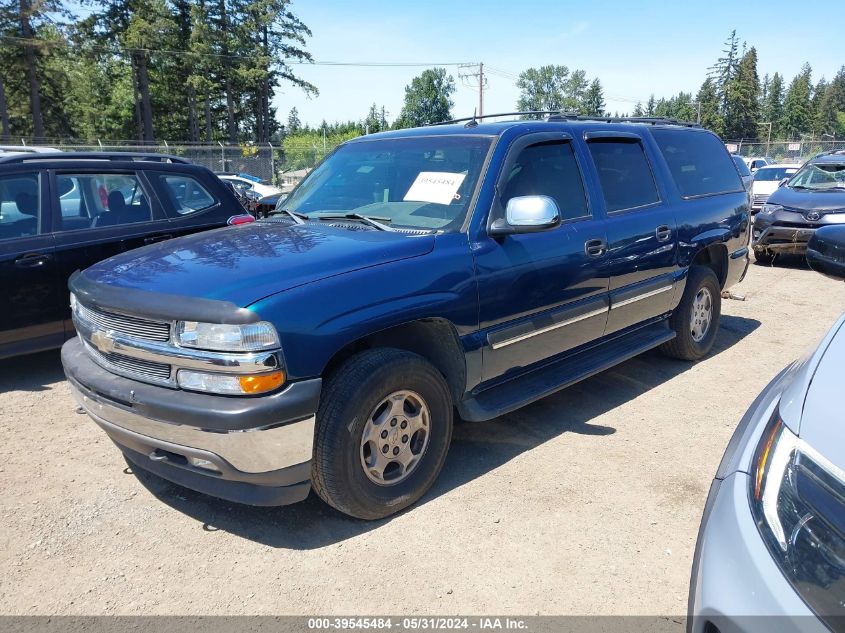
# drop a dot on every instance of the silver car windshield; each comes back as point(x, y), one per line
point(820, 177)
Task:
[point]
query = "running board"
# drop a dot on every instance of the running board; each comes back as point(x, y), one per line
point(509, 396)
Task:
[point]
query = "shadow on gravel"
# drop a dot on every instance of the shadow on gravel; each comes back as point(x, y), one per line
point(31, 373)
point(477, 448)
point(788, 261)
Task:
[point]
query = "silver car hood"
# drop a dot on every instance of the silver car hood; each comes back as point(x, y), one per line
point(821, 421)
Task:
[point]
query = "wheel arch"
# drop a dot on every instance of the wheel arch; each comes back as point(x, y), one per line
point(715, 257)
point(435, 339)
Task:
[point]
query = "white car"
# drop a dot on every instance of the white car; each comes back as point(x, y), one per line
point(766, 180)
point(757, 162)
point(258, 187)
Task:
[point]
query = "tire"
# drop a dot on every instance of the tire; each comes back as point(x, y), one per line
point(345, 470)
point(690, 343)
point(764, 258)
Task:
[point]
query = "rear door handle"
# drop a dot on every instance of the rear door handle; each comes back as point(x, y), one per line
point(152, 239)
point(663, 232)
point(33, 260)
point(595, 248)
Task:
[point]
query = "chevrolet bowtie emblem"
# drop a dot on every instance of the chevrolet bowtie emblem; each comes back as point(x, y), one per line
point(102, 341)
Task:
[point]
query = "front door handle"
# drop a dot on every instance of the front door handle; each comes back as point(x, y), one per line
point(663, 232)
point(33, 260)
point(152, 239)
point(595, 247)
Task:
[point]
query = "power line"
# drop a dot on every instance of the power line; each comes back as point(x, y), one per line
point(160, 51)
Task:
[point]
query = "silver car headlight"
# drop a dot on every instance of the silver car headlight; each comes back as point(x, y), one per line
point(251, 337)
point(769, 209)
point(798, 502)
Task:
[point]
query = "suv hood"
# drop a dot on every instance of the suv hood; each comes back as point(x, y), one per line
point(821, 418)
point(243, 264)
point(827, 201)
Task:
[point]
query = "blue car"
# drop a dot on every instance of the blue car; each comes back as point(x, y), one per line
point(469, 268)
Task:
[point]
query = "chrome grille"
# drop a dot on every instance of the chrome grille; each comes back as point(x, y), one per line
point(760, 198)
point(132, 327)
point(120, 363)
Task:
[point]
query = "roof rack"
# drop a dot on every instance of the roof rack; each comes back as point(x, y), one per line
point(831, 152)
point(558, 115)
point(106, 156)
point(652, 120)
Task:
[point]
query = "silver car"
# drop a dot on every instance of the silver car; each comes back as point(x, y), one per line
point(770, 554)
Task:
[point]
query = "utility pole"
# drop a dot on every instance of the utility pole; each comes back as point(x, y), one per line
point(471, 77)
point(769, 137)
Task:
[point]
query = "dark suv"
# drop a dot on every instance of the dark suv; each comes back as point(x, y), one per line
point(474, 267)
point(62, 212)
point(812, 198)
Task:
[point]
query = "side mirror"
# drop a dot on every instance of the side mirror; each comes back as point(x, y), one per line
point(826, 251)
point(783, 182)
point(527, 214)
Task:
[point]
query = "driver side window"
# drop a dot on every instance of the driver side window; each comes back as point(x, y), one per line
point(549, 169)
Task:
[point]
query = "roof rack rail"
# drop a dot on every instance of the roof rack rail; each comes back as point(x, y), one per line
point(652, 120)
point(830, 152)
point(490, 116)
point(559, 115)
point(108, 156)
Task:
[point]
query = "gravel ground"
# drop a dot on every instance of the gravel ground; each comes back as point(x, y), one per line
point(587, 502)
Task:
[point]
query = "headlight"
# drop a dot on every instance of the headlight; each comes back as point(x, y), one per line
point(252, 337)
point(228, 384)
point(798, 502)
point(769, 209)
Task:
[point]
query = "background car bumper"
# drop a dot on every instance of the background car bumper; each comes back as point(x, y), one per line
point(790, 239)
point(736, 584)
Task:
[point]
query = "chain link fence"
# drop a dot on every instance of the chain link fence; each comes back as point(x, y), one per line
point(785, 151)
point(280, 164)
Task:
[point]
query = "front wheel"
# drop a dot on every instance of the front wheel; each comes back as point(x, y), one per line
point(383, 430)
point(696, 319)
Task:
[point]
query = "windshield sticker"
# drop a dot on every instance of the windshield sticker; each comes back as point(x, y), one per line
point(439, 187)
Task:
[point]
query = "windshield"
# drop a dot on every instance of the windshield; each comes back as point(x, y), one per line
point(420, 183)
point(774, 173)
point(819, 177)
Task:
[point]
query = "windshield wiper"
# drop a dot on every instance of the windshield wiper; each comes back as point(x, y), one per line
point(296, 216)
point(374, 221)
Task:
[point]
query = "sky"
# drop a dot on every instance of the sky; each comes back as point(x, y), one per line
point(635, 48)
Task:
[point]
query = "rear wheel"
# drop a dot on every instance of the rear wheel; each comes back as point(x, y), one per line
point(696, 319)
point(383, 430)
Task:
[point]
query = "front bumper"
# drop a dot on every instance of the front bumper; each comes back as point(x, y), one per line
point(781, 239)
point(249, 450)
point(737, 585)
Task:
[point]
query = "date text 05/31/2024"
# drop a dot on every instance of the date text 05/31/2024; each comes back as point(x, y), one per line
point(419, 623)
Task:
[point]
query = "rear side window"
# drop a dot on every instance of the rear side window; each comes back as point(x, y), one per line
point(549, 169)
point(624, 173)
point(97, 200)
point(187, 194)
point(20, 206)
point(698, 162)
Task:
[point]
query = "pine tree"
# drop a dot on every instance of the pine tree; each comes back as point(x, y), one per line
point(709, 107)
point(725, 69)
point(796, 105)
point(294, 124)
point(593, 104)
point(638, 110)
point(819, 92)
point(650, 105)
point(742, 106)
point(773, 106)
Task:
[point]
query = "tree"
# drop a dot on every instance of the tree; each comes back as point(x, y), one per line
point(376, 120)
point(742, 111)
point(650, 106)
point(593, 104)
point(796, 105)
point(708, 105)
point(428, 99)
point(773, 106)
point(831, 107)
point(725, 69)
point(551, 88)
point(638, 109)
point(816, 102)
point(294, 124)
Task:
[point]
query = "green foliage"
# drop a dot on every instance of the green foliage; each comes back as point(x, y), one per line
point(593, 104)
point(798, 114)
point(554, 88)
point(773, 106)
point(428, 99)
point(742, 105)
point(709, 107)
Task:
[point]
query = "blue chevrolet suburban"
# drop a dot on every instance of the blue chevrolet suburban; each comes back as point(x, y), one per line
point(463, 269)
